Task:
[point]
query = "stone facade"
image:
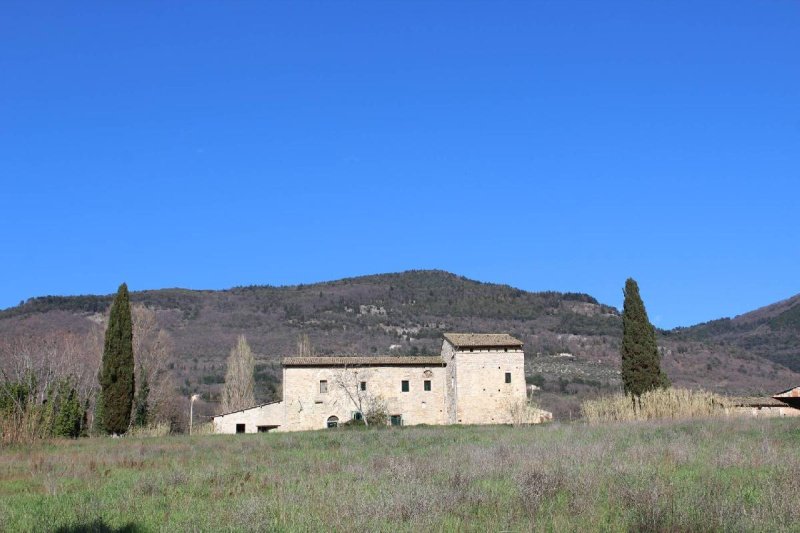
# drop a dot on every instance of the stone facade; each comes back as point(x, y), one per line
point(308, 408)
point(265, 417)
point(478, 379)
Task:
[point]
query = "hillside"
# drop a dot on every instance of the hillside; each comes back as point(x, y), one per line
point(771, 332)
point(571, 340)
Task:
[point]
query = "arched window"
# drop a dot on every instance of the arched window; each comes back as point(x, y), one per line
point(333, 421)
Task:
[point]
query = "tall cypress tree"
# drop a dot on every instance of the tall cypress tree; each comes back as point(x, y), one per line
point(641, 365)
point(116, 373)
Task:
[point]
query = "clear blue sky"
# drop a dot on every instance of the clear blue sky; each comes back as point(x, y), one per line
point(549, 145)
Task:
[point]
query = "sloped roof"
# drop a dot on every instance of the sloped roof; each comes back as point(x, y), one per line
point(790, 397)
point(794, 392)
point(386, 360)
point(756, 401)
point(482, 340)
point(247, 408)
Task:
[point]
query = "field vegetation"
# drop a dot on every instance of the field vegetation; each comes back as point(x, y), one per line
point(671, 403)
point(700, 475)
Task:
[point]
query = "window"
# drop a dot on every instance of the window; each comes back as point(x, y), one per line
point(404, 385)
point(396, 420)
point(363, 385)
point(262, 429)
point(357, 415)
point(427, 385)
point(508, 377)
point(323, 386)
point(239, 428)
point(333, 421)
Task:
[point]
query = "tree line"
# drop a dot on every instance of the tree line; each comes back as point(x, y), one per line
point(69, 384)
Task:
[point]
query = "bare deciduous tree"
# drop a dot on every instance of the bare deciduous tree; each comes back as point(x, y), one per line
point(304, 348)
point(152, 348)
point(238, 392)
point(354, 382)
point(35, 370)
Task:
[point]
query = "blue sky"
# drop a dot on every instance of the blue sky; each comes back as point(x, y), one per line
point(548, 145)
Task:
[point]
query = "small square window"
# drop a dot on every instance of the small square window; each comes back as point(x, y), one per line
point(508, 377)
point(357, 415)
point(404, 385)
point(427, 385)
point(323, 386)
point(363, 385)
point(396, 420)
point(239, 428)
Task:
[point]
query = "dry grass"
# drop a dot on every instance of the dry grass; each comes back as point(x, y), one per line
point(26, 423)
point(723, 474)
point(160, 429)
point(658, 404)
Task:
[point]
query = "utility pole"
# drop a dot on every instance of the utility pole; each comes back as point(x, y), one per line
point(191, 410)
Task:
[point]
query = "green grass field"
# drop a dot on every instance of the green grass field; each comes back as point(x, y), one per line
point(733, 475)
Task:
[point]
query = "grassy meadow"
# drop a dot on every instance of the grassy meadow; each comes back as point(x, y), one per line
point(721, 474)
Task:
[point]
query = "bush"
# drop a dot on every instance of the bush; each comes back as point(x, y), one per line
point(23, 419)
point(352, 424)
point(377, 414)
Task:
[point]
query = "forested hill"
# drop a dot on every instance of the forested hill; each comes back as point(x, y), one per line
point(772, 332)
point(429, 292)
point(571, 340)
point(359, 315)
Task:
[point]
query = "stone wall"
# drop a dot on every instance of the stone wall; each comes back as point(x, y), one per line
point(448, 356)
point(481, 394)
point(765, 412)
point(271, 414)
point(307, 408)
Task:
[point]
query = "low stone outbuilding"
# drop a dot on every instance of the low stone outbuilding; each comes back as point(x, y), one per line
point(258, 419)
point(762, 407)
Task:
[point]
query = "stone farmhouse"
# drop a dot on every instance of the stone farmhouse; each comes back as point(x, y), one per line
point(477, 379)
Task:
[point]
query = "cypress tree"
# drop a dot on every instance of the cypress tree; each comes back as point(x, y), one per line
point(116, 373)
point(641, 365)
point(69, 415)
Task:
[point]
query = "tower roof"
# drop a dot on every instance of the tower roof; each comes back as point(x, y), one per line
point(482, 340)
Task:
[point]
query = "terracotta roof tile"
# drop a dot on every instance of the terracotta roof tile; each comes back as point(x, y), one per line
point(364, 361)
point(756, 401)
point(482, 340)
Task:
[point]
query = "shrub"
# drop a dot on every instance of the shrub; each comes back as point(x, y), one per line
point(377, 413)
point(524, 412)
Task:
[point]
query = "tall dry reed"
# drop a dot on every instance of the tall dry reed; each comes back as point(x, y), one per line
point(655, 405)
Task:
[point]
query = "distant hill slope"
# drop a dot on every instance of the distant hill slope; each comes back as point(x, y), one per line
point(571, 340)
point(771, 332)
